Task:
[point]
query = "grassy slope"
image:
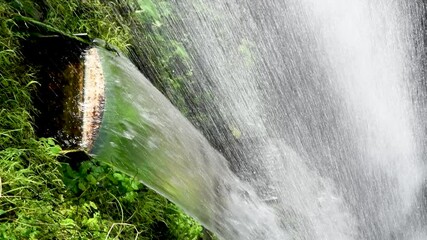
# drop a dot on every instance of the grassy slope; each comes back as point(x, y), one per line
point(41, 198)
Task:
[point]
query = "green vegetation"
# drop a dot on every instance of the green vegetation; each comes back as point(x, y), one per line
point(41, 197)
point(163, 60)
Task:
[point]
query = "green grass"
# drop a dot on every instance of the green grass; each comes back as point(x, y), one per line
point(41, 197)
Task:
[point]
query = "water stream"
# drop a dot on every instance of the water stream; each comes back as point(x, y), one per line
point(317, 108)
point(144, 135)
point(328, 100)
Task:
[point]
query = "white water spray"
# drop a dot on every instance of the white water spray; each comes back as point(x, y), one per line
point(327, 100)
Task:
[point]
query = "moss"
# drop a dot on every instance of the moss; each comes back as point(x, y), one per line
point(41, 197)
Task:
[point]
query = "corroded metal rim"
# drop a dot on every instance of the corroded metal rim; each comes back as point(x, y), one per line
point(93, 98)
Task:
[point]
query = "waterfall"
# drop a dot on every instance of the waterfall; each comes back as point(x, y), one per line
point(328, 101)
point(315, 110)
point(144, 135)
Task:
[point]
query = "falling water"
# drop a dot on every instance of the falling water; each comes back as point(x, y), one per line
point(319, 106)
point(144, 135)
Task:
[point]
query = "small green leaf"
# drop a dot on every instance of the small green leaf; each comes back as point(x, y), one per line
point(93, 205)
point(67, 222)
point(119, 176)
point(55, 150)
point(82, 186)
point(134, 185)
point(91, 179)
point(50, 142)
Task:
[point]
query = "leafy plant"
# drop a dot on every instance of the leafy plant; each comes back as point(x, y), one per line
point(130, 208)
point(40, 197)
